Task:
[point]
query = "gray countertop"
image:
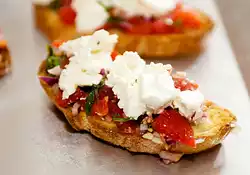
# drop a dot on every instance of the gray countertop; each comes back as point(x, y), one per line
point(36, 140)
point(235, 16)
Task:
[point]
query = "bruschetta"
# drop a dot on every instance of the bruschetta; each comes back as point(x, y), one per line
point(144, 108)
point(151, 28)
point(5, 59)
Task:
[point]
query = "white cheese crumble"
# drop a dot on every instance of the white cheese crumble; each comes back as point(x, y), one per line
point(189, 103)
point(90, 55)
point(146, 8)
point(90, 15)
point(157, 86)
point(123, 77)
point(55, 71)
point(99, 41)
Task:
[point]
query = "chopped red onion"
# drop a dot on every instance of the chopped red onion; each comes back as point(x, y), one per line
point(103, 72)
point(49, 80)
point(125, 25)
point(143, 127)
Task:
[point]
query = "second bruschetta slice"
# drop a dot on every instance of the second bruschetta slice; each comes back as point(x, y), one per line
point(5, 59)
point(146, 108)
point(142, 25)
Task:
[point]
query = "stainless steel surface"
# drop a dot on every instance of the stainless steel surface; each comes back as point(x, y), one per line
point(36, 140)
point(236, 19)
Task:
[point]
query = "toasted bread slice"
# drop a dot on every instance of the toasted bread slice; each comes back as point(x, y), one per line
point(162, 45)
point(211, 133)
point(5, 61)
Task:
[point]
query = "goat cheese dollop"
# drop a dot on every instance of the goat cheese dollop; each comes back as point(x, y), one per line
point(90, 15)
point(90, 55)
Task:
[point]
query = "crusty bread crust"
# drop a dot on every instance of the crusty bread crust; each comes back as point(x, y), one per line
point(162, 45)
point(5, 62)
point(212, 133)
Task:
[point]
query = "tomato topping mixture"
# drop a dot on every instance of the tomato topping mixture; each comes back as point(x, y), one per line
point(176, 21)
point(175, 127)
point(67, 15)
point(100, 107)
point(78, 96)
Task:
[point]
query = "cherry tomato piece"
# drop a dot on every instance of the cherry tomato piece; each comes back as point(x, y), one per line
point(100, 107)
point(175, 127)
point(114, 54)
point(57, 43)
point(67, 15)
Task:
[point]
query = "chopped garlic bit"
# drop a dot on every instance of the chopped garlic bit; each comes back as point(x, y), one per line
point(157, 140)
point(148, 136)
point(169, 21)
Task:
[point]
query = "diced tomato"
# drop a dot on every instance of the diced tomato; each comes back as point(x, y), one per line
point(183, 84)
point(64, 62)
point(106, 91)
point(187, 17)
point(57, 43)
point(106, 26)
point(77, 96)
point(66, 2)
point(100, 107)
point(129, 127)
point(175, 127)
point(114, 54)
point(137, 20)
point(67, 15)
point(159, 26)
point(143, 29)
point(114, 110)
point(63, 103)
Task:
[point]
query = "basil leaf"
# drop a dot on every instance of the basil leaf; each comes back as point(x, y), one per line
point(50, 50)
point(115, 19)
point(122, 119)
point(52, 61)
point(103, 5)
point(90, 101)
point(55, 5)
point(178, 22)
